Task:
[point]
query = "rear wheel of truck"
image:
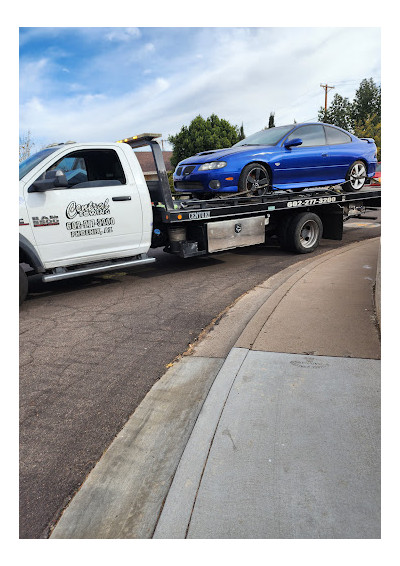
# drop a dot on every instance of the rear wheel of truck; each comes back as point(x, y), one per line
point(283, 231)
point(303, 233)
point(23, 285)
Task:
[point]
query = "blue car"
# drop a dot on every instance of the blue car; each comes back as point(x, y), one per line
point(286, 157)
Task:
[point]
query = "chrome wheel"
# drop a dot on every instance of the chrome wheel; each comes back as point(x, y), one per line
point(358, 174)
point(300, 232)
point(309, 234)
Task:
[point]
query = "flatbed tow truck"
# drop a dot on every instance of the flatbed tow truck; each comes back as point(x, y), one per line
point(109, 217)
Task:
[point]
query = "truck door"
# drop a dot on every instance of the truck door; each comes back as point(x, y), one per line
point(97, 216)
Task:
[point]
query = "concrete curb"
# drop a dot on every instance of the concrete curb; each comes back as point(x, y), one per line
point(174, 519)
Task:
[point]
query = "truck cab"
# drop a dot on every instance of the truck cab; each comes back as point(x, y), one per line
point(84, 202)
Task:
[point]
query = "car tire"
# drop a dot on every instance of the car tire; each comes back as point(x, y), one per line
point(23, 285)
point(355, 177)
point(302, 233)
point(249, 178)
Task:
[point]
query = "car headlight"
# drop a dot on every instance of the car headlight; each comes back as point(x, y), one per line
point(212, 165)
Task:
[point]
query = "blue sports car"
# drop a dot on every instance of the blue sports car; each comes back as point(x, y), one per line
point(286, 157)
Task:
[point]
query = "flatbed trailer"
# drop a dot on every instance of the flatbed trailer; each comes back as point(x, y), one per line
point(190, 227)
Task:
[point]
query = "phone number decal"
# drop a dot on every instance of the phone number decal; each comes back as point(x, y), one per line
point(90, 227)
point(310, 201)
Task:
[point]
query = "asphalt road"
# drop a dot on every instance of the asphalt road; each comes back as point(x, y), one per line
point(91, 348)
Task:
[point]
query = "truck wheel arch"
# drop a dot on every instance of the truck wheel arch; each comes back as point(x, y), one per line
point(28, 255)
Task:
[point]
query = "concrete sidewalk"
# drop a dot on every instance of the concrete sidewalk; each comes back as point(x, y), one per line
point(269, 429)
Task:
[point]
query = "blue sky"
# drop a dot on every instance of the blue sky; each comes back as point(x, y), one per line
point(102, 84)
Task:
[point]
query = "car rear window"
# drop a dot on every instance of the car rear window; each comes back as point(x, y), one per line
point(335, 136)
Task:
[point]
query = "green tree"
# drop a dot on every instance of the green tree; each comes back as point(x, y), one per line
point(370, 128)
point(338, 113)
point(346, 114)
point(362, 116)
point(367, 103)
point(203, 135)
point(271, 121)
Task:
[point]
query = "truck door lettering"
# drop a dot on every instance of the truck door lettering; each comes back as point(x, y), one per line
point(45, 221)
point(90, 209)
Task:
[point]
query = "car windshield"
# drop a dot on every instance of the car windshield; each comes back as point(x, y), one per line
point(271, 136)
point(33, 160)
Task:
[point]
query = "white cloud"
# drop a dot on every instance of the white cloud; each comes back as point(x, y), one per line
point(123, 34)
point(240, 74)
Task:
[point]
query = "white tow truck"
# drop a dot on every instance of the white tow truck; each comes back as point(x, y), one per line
point(86, 208)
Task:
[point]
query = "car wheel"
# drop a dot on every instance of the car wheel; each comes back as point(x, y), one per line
point(23, 285)
point(356, 176)
point(254, 179)
point(303, 233)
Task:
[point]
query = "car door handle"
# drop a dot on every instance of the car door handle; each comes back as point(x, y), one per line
point(324, 154)
point(122, 198)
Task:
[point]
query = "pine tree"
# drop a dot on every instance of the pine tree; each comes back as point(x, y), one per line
point(367, 102)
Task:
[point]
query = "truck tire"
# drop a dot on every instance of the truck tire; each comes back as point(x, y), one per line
point(23, 285)
point(355, 177)
point(303, 233)
point(283, 231)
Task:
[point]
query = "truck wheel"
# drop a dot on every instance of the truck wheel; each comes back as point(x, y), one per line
point(23, 285)
point(283, 231)
point(355, 177)
point(303, 233)
point(250, 177)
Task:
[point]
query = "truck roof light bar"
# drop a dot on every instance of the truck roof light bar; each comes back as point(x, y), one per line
point(59, 143)
point(135, 140)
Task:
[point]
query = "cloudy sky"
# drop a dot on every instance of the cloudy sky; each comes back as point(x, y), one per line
point(102, 84)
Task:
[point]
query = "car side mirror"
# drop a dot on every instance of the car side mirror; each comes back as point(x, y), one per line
point(54, 179)
point(293, 142)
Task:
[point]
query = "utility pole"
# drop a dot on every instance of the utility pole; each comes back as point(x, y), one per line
point(326, 87)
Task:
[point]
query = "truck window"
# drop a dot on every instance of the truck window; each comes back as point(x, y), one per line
point(91, 166)
point(34, 160)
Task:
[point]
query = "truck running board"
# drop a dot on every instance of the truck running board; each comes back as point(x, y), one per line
point(65, 274)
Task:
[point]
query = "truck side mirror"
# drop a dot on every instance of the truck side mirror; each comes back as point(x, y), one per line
point(291, 143)
point(54, 179)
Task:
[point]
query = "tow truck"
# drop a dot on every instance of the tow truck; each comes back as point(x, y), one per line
point(86, 208)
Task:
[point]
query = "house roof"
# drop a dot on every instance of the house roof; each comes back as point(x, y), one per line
point(147, 164)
